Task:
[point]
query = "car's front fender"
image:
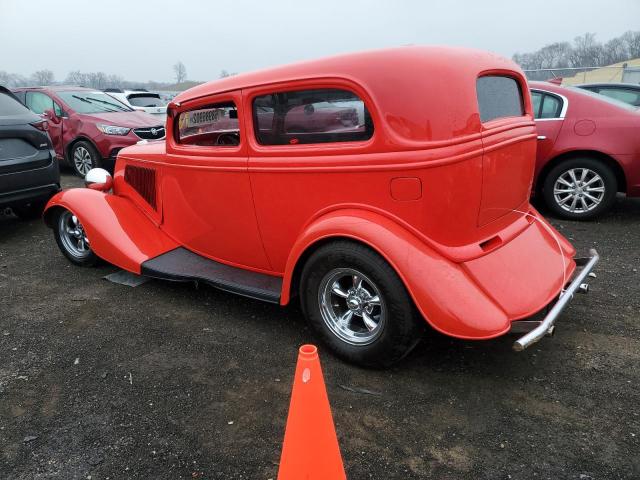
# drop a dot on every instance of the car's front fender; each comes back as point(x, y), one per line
point(445, 295)
point(117, 230)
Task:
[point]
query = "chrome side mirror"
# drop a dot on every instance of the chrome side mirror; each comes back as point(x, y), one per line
point(98, 179)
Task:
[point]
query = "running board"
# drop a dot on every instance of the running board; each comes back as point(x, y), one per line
point(182, 265)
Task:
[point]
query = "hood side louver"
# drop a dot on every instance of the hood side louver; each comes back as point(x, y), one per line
point(143, 180)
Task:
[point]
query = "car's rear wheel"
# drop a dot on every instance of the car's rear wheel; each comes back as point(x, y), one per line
point(72, 239)
point(359, 305)
point(580, 188)
point(84, 157)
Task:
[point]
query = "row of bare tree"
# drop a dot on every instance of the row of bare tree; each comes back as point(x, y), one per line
point(99, 80)
point(584, 51)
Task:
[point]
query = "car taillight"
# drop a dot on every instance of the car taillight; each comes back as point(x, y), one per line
point(41, 125)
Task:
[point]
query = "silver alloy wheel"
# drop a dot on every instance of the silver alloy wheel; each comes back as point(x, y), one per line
point(351, 306)
point(82, 160)
point(579, 190)
point(74, 239)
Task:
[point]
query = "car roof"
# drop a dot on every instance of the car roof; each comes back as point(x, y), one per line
point(362, 66)
point(573, 93)
point(8, 92)
point(410, 84)
point(634, 86)
point(58, 88)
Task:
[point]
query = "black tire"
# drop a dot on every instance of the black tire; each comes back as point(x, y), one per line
point(608, 182)
point(87, 152)
point(83, 259)
point(29, 211)
point(401, 329)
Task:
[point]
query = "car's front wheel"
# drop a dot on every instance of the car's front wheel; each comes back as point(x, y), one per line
point(84, 157)
point(72, 239)
point(580, 188)
point(359, 305)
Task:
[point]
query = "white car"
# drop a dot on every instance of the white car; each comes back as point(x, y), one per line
point(141, 100)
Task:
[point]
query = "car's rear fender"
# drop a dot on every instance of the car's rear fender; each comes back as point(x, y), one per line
point(117, 230)
point(442, 291)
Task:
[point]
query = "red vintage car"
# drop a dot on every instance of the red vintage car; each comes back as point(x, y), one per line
point(410, 208)
point(588, 150)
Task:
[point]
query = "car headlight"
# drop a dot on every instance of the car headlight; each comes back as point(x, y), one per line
point(113, 130)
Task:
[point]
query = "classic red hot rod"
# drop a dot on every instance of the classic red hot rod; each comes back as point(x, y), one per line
point(385, 189)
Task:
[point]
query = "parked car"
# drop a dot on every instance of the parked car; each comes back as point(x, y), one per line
point(29, 174)
point(588, 150)
point(88, 127)
point(421, 216)
point(625, 92)
point(141, 100)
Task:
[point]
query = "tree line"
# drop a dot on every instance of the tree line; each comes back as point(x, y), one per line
point(584, 51)
point(97, 80)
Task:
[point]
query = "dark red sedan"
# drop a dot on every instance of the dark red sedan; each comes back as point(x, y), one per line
point(588, 150)
point(88, 127)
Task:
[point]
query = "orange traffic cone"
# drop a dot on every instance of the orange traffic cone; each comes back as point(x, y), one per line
point(310, 450)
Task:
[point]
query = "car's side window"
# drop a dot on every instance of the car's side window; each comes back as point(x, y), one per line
point(311, 116)
point(57, 109)
point(545, 105)
point(551, 107)
point(209, 125)
point(38, 102)
point(536, 102)
point(498, 97)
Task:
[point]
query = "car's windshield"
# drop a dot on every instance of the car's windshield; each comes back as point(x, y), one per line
point(604, 98)
point(145, 100)
point(92, 102)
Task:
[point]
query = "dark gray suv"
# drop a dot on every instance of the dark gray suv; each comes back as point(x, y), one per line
point(29, 173)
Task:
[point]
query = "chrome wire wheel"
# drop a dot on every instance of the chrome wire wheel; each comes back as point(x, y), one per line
point(579, 190)
point(82, 160)
point(72, 235)
point(351, 306)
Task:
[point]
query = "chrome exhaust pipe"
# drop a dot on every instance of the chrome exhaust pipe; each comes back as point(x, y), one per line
point(583, 288)
point(577, 285)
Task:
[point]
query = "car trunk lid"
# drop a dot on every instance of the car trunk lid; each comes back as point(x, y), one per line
point(509, 146)
point(508, 162)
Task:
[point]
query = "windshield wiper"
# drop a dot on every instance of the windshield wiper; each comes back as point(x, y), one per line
point(81, 98)
point(121, 108)
point(108, 110)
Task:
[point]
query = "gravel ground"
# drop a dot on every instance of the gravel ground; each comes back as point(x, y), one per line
point(104, 381)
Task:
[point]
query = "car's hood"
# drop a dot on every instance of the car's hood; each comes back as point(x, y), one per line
point(133, 119)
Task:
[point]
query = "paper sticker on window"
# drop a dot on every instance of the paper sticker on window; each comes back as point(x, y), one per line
point(201, 117)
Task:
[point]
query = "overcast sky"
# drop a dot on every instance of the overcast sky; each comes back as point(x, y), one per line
point(141, 39)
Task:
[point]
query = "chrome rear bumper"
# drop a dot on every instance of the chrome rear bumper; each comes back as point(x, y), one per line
point(546, 326)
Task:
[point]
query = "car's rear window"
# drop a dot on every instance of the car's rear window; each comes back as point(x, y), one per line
point(498, 97)
point(9, 106)
point(311, 116)
point(145, 100)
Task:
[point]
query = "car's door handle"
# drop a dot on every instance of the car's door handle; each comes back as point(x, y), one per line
point(541, 137)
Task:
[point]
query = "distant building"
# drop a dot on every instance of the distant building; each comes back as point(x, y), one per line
point(626, 72)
